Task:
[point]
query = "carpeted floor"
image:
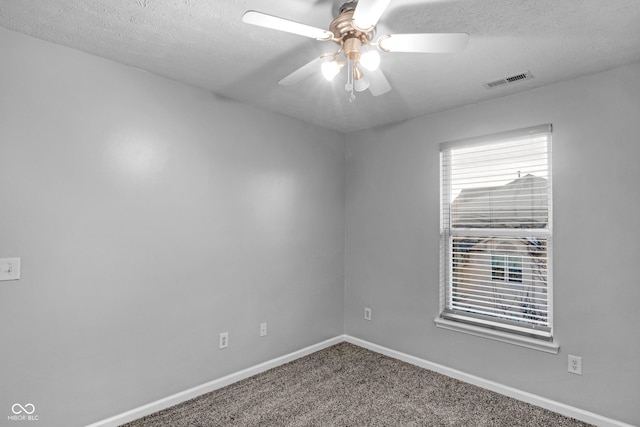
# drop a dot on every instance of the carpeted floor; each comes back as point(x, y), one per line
point(346, 385)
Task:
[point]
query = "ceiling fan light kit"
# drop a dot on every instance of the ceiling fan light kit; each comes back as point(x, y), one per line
point(370, 59)
point(354, 30)
point(330, 69)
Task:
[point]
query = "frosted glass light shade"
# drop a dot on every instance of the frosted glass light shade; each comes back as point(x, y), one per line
point(330, 70)
point(361, 84)
point(370, 60)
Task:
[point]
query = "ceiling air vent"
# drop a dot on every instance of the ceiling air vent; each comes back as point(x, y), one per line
point(511, 79)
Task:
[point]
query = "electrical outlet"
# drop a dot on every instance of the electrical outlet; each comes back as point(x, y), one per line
point(263, 329)
point(224, 340)
point(367, 313)
point(575, 364)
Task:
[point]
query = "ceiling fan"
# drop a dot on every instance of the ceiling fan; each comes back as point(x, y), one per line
point(354, 31)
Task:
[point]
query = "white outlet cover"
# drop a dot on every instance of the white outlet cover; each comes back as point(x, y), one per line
point(575, 365)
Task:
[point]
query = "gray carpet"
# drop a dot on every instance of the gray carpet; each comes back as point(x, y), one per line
point(346, 385)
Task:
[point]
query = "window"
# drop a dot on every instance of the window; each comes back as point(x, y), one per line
point(506, 267)
point(496, 234)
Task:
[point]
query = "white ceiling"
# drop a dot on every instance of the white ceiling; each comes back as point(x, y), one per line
point(205, 44)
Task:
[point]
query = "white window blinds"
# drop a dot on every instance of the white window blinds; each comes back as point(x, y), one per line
point(496, 231)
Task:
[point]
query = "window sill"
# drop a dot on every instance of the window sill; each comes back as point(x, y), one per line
point(532, 343)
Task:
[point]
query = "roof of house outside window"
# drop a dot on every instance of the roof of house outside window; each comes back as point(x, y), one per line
point(521, 203)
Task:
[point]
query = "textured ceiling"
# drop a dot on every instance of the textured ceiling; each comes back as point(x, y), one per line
point(204, 43)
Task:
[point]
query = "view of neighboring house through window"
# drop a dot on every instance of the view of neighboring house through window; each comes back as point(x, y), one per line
point(506, 267)
point(496, 232)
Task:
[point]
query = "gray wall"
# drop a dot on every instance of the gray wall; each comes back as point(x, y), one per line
point(150, 216)
point(392, 241)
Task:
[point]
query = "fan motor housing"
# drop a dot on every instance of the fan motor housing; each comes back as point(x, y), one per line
point(343, 29)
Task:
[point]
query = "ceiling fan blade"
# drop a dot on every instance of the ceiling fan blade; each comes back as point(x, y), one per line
point(424, 43)
point(276, 23)
point(378, 83)
point(368, 12)
point(303, 72)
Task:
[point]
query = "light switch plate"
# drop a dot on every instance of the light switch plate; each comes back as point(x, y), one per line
point(9, 268)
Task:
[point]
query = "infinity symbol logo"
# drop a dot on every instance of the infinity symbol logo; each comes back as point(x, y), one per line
point(28, 409)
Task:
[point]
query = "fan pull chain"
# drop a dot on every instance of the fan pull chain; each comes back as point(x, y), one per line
point(349, 86)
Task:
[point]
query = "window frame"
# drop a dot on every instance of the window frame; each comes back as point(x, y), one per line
point(526, 336)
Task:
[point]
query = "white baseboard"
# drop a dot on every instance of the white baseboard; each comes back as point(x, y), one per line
point(183, 396)
point(560, 408)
